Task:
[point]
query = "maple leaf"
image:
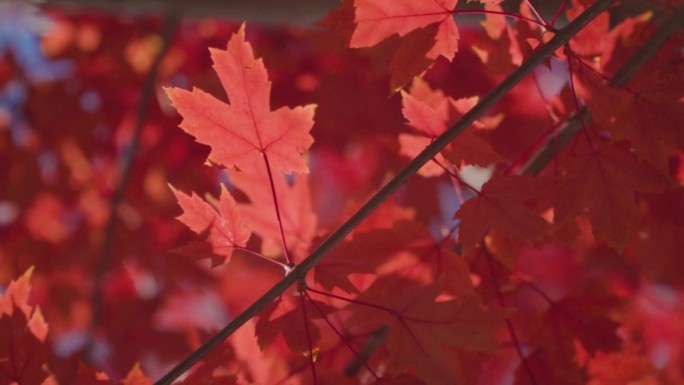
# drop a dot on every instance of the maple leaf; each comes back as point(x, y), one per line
point(427, 30)
point(410, 58)
point(661, 237)
point(17, 294)
point(501, 206)
point(626, 367)
point(593, 39)
point(340, 20)
point(433, 261)
point(85, 375)
point(23, 331)
point(225, 229)
point(643, 113)
point(136, 377)
point(38, 156)
point(504, 50)
point(260, 366)
point(604, 181)
point(430, 113)
point(246, 130)
point(292, 317)
point(376, 20)
point(365, 253)
point(23, 356)
point(212, 370)
point(294, 205)
point(425, 333)
point(387, 216)
point(654, 322)
point(580, 314)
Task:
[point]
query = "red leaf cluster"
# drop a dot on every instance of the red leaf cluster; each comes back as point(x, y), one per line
point(541, 245)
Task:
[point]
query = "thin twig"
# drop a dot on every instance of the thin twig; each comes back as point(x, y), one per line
point(358, 357)
point(309, 343)
point(125, 166)
point(558, 12)
point(299, 271)
point(575, 98)
point(509, 324)
point(262, 257)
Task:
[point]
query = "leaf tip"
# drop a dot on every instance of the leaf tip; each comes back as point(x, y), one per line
point(28, 273)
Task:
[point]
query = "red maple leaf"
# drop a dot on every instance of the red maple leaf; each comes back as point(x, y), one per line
point(294, 205)
point(292, 317)
point(643, 113)
point(246, 130)
point(376, 20)
point(410, 57)
point(425, 333)
point(430, 113)
point(23, 351)
point(85, 375)
point(626, 367)
point(594, 39)
point(603, 182)
point(367, 251)
point(501, 205)
point(224, 226)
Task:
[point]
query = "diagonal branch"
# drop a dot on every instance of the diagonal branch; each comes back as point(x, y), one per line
point(298, 272)
point(574, 124)
point(125, 167)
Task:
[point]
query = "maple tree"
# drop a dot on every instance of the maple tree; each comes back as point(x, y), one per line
point(413, 192)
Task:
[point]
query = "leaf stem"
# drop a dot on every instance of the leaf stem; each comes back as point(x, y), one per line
point(400, 317)
point(356, 302)
point(509, 325)
point(302, 293)
point(301, 269)
point(288, 259)
point(341, 337)
point(575, 99)
point(537, 14)
point(263, 257)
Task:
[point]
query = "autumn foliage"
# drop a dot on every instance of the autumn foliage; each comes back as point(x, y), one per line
point(407, 192)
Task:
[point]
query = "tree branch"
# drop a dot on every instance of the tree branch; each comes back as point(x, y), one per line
point(565, 133)
point(125, 166)
point(299, 271)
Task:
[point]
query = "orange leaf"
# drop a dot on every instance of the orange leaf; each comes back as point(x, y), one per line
point(136, 377)
point(17, 294)
point(240, 133)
